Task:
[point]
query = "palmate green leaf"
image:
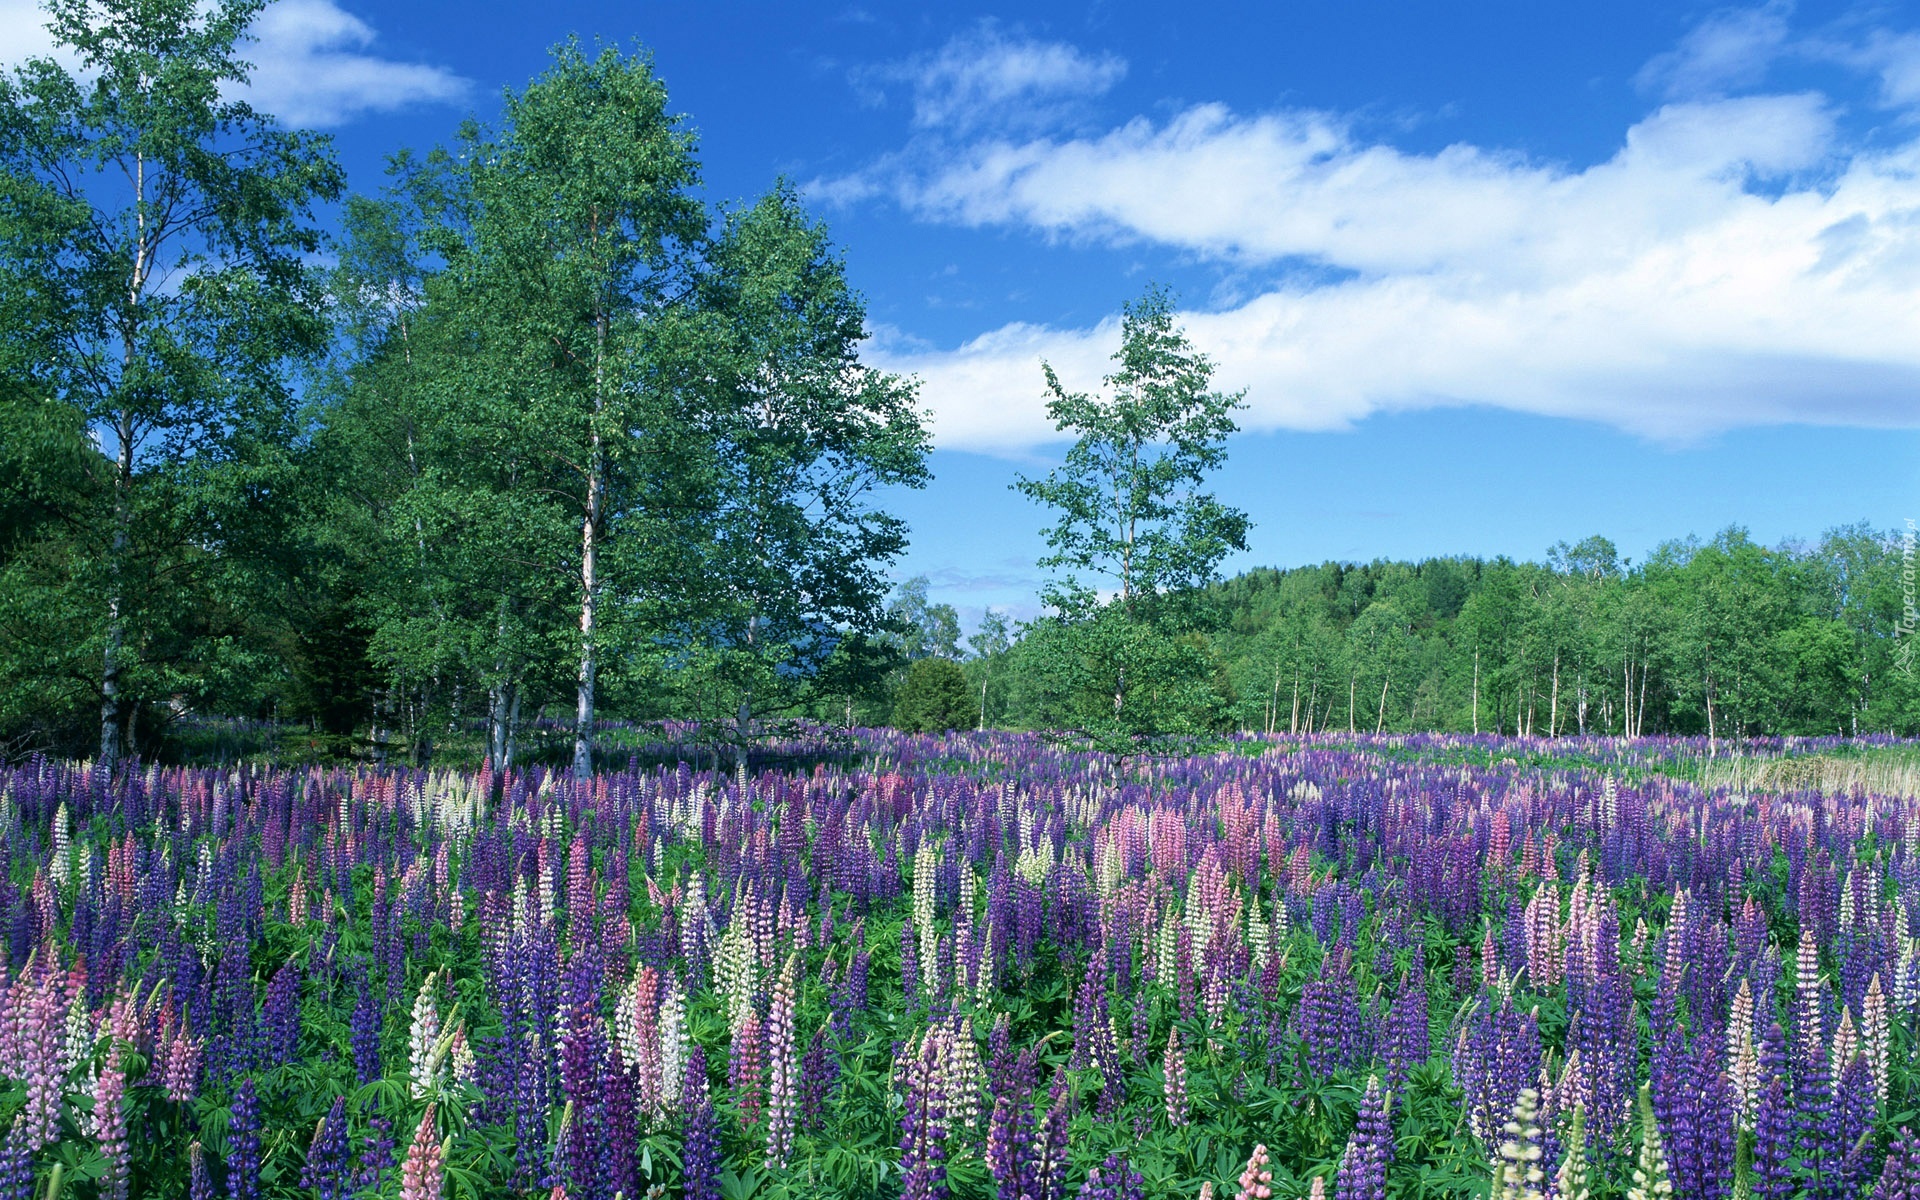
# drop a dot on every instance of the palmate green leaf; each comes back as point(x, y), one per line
point(742, 1183)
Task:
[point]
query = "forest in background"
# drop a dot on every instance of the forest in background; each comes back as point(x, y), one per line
point(1724, 638)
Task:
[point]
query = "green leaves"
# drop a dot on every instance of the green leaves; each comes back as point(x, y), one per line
point(153, 272)
point(1130, 511)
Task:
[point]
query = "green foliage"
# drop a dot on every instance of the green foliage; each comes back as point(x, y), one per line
point(154, 277)
point(934, 698)
point(1131, 510)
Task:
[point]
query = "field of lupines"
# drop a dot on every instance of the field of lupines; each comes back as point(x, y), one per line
point(971, 967)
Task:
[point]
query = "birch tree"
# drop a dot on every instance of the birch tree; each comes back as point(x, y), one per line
point(585, 232)
point(159, 228)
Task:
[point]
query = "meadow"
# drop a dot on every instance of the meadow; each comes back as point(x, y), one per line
point(973, 966)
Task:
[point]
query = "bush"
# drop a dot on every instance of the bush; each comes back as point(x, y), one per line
point(934, 698)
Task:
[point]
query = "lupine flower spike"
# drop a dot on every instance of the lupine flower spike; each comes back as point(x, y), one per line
point(1256, 1182)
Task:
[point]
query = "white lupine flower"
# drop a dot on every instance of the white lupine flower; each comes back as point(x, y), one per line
point(674, 1042)
point(61, 860)
point(422, 1036)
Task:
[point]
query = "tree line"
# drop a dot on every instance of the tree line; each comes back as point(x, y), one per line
point(1719, 638)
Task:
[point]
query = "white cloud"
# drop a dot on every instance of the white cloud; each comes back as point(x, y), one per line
point(987, 78)
point(312, 67)
point(1731, 49)
point(313, 63)
point(1894, 58)
point(1731, 264)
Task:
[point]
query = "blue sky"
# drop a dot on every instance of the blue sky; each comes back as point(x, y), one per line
point(1493, 275)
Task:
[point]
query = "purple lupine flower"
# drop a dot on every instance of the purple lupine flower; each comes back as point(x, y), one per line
point(1010, 1147)
point(1405, 1034)
point(619, 1118)
point(243, 1144)
point(1363, 1167)
point(1495, 1059)
point(326, 1168)
point(1050, 1142)
point(365, 1034)
point(909, 967)
point(1900, 1175)
point(1327, 1021)
point(376, 1153)
point(199, 1182)
point(1854, 1116)
point(1774, 1125)
point(1093, 1041)
point(280, 1024)
point(923, 1123)
point(1114, 1179)
point(1694, 1106)
point(700, 1140)
point(16, 1163)
point(819, 1071)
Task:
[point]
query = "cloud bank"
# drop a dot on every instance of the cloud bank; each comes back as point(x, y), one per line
point(1736, 261)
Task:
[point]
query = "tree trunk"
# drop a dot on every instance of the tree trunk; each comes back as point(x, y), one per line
point(1712, 727)
point(1293, 722)
point(1640, 709)
point(1353, 681)
point(110, 715)
point(1380, 722)
point(1553, 708)
point(590, 557)
point(1626, 695)
point(1476, 691)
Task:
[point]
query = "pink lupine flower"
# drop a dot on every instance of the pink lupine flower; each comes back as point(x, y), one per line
point(181, 1074)
point(422, 1175)
point(108, 1124)
point(42, 1058)
point(1175, 1085)
point(1256, 1182)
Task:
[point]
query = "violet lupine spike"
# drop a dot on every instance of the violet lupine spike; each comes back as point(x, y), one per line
point(783, 1066)
point(326, 1170)
point(243, 1144)
point(1113, 1179)
point(16, 1164)
point(1363, 1166)
point(1900, 1174)
point(700, 1139)
point(1050, 1142)
point(923, 1123)
point(109, 1124)
point(1010, 1156)
point(1854, 1117)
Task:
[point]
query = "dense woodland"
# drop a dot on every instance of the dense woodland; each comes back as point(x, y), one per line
point(541, 436)
point(1725, 638)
